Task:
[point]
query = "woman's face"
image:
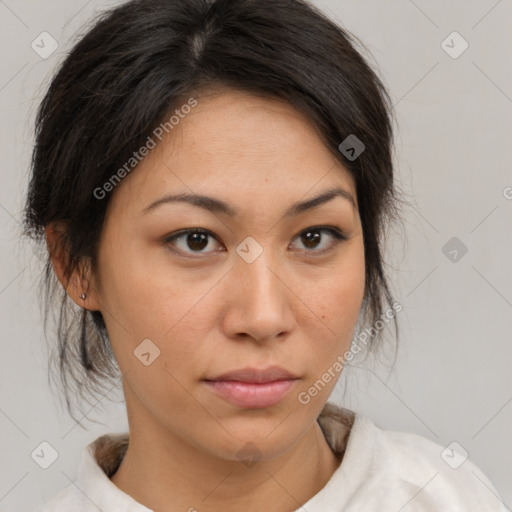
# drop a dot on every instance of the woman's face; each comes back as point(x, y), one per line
point(268, 285)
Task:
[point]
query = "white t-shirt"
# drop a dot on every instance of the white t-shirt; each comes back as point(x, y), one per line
point(381, 471)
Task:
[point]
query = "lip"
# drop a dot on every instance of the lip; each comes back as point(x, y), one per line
point(256, 376)
point(253, 388)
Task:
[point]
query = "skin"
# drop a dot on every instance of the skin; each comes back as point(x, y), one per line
point(209, 311)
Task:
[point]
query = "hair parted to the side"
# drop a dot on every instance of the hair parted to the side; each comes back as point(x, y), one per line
point(136, 65)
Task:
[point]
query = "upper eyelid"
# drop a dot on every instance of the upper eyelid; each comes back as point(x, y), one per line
point(208, 232)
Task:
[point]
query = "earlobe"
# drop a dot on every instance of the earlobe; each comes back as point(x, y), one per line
point(75, 281)
point(83, 291)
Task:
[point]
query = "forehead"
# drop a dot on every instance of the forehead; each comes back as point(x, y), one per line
point(232, 143)
point(236, 124)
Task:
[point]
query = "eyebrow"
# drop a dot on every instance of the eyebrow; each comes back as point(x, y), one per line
point(215, 205)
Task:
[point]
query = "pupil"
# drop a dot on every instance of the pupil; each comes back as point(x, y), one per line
point(197, 238)
point(311, 236)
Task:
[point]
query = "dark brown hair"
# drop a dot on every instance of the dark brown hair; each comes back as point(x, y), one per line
point(132, 69)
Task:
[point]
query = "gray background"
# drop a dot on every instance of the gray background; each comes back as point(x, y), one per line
point(452, 379)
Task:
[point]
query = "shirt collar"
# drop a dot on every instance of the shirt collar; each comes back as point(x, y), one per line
point(100, 460)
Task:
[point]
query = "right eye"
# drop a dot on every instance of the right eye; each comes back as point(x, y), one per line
point(191, 241)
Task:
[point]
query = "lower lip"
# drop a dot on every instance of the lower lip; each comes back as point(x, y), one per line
point(251, 395)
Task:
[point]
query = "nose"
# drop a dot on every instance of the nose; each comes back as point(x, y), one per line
point(258, 301)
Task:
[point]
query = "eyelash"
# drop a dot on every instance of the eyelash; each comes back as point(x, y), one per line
point(336, 234)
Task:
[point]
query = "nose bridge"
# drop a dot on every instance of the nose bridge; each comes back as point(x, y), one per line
point(259, 300)
point(257, 268)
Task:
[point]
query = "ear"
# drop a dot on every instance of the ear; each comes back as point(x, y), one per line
point(80, 281)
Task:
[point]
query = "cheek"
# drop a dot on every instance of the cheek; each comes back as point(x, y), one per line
point(337, 303)
point(339, 294)
point(143, 292)
point(173, 309)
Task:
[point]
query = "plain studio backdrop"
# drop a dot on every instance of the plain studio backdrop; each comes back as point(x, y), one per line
point(447, 67)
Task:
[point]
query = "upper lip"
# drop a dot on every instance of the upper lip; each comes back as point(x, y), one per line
point(270, 374)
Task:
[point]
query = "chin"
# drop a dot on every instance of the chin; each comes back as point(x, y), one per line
point(258, 437)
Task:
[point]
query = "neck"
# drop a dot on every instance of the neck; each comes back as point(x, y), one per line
point(172, 475)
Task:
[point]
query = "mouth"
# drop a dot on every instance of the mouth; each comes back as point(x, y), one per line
point(252, 388)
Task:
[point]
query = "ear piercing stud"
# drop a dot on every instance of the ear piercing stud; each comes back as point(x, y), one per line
point(82, 296)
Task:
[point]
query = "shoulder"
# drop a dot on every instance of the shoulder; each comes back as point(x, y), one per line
point(431, 476)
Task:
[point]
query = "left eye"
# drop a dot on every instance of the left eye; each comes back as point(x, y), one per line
point(197, 239)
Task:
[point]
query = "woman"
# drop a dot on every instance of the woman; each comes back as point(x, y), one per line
point(213, 179)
